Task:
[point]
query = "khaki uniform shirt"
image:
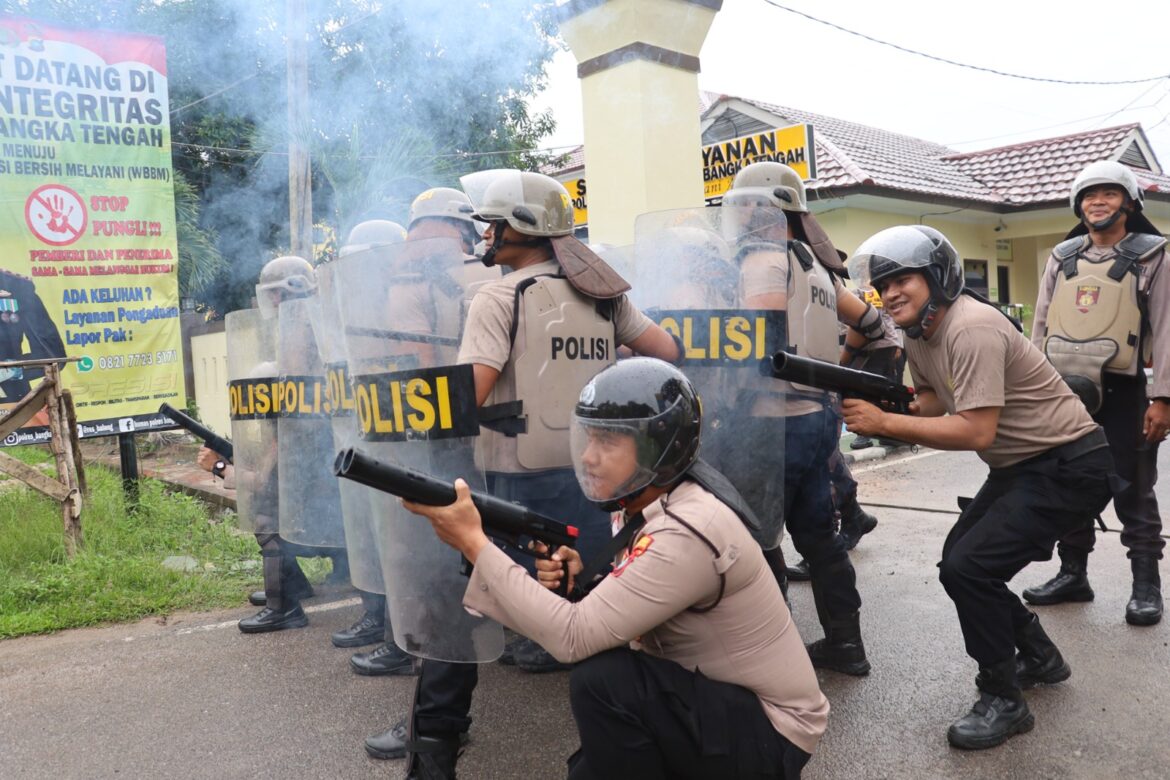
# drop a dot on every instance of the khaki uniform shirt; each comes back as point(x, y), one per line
point(748, 639)
point(1154, 278)
point(486, 341)
point(977, 359)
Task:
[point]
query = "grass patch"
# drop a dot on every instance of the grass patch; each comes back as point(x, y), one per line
point(117, 575)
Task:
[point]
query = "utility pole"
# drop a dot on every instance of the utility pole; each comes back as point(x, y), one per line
point(300, 184)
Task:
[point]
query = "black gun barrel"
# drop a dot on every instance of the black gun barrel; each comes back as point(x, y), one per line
point(847, 381)
point(210, 438)
point(503, 517)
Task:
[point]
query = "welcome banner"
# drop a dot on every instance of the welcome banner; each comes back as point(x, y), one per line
point(88, 254)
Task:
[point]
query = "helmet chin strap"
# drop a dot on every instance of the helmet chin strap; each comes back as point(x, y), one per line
point(926, 318)
point(1109, 221)
point(498, 242)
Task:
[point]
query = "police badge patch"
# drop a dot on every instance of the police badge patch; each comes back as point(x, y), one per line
point(1087, 295)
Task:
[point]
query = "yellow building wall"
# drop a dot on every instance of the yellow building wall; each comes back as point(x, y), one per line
point(209, 365)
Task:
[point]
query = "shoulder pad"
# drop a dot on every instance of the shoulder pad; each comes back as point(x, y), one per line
point(1069, 247)
point(1140, 245)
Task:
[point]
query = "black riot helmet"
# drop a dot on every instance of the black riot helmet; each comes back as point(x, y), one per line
point(911, 248)
point(646, 399)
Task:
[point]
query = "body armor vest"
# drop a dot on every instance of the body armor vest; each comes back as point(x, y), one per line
point(567, 341)
point(812, 310)
point(1097, 306)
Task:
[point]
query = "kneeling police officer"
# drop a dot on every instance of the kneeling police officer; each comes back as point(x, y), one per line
point(689, 618)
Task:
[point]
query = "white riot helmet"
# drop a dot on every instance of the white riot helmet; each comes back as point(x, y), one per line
point(371, 234)
point(448, 204)
point(282, 279)
point(1105, 172)
point(532, 204)
point(776, 182)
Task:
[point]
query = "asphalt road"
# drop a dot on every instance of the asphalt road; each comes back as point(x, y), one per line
point(191, 697)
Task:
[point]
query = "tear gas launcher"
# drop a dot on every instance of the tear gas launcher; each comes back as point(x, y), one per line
point(504, 521)
point(210, 438)
point(848, 382)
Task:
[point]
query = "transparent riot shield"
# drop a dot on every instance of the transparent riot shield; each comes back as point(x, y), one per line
point(361, 541)
point(716, 279)
point(401, 312)
point(310, 500)
point(251, 378)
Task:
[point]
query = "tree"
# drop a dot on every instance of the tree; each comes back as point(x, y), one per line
point(403, 96)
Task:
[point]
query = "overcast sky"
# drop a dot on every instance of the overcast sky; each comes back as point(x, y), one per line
point(760, 51)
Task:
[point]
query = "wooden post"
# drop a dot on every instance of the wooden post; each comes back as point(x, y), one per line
point(61, 447)
point(300, 182)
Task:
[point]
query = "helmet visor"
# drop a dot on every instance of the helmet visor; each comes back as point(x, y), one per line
point(750, 217)
point(894, 250)
point(612, 458)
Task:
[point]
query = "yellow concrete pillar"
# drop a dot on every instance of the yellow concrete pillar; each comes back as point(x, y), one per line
point(638, 62)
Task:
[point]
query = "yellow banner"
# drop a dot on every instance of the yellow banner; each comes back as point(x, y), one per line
point(88, 253)
point(794, 146)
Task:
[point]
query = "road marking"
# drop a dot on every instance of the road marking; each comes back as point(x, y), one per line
point(887, 463)
point(327, 607)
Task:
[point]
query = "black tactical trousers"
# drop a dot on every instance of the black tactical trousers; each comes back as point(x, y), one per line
point(443, 704)
point(809, 441)
point(443, 698)
point(646, 717)
point(1016, 518)
point(1121, 415)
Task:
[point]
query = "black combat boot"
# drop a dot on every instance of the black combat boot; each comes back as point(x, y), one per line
point(798, 572)
point(855, 523)
point(282, 580)
point(385, 659)
point(1071, 583)
point(392, 744)
point(369, 629)
point(534, 659)
point(1145, 604)
point(1000, 713)
point(295, 580)
point(269, 619)
point(1038, 662)
point(841, 650)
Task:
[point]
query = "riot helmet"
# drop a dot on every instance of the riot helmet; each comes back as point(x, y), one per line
point(1106, 173)
point(283, 279)
point(530, 203)
point(752, 212)
point(636, 425)
point(449, 205)
point(911, 248)
point(371, 234)
point(774, 181)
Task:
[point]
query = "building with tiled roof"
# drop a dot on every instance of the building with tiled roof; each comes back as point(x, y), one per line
point(1003, 208)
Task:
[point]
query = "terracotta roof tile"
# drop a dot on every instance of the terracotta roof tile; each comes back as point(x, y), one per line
point(853, 155)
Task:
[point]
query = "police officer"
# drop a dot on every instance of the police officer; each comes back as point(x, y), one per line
point(23, 316)
point(285, 584)
point(686, 620)
point(1102, 315)
point(803, 280)
point(534, 338)
point(371, 627)
point(983, 386)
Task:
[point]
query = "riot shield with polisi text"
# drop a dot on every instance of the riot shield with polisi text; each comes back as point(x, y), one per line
point(401, 312)
point(715, 279)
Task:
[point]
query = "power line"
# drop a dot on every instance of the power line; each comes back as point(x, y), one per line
point(936, 58)
point(460, 155)
point(1038, 129)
